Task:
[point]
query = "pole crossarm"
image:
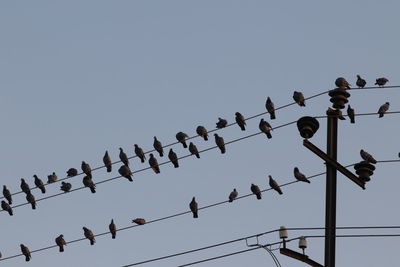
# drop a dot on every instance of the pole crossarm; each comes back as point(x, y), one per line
point(298, 256)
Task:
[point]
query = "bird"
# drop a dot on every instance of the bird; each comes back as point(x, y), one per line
point(139, 152)
point(158, 147)
point(360, 82)
point(25, 187)
point(350, 113)
point(266, 128)
point(367, 157)
point(269, 105)
point(342, 83)
point(5, 206)
point(222, 123)
point(335, 113)
point(31, 199)
point(139, 221)
point(124, 171)
point(255, 190)
point(86, 169)
point(381, 81)
point(220, 143)
point(88, 182)
point(52, 178)
point(299, 176)
point(72, 172)
point(26, 252)
point(298, 97)
point(173, 158)
point(66, 187)
point(233, 195)
point(113, 229)
point(194, 207)
point(193, 150)
point(181, 137)
point(274, 185)
point(202, 131)
point(154, 164)
point(7, 194)
point(123, 157)
point(240, 120)
point(107, 162)
point(60, 242)
point(39, 183)
point(89, 235)
point(383, 109)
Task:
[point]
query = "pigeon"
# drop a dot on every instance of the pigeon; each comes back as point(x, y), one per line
point(154, 164)
point(222, 123)
point(61, 242)
point(66, 187)
point(139, 152)
point(381, 81)
point(360, 82)
point(107, 162)
point(89, 235)
point(52, 178)
point(201, 130)
point(181, 137)
point(5, 206)
point(342, 83)
point(233, 195)
point(26, 252)
point(139, 221)
point(269, 105)
point(39, 183)
point(274, 185)
point(25, 187)
point(240, 121)
point(124, 171)
point(123, 157)
point(367, 157)
point(86, 169)
point(194, 208)
point(173, 158)
point(158, 147)
point(113, 229)
point(256, 191)
point(350, 113)
point(193, 150)
point(335, 113)
point(266, 128)
point(31, 199)
point(88, 182)
point(220, 143)
point(299, 176)
point(298, 97)
point(382, 110)
point(7, 194)
point(72, 172)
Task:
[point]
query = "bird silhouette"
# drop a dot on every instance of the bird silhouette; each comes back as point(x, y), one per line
point(383, 109)
point(298, 97)
point(194, 207)
point(86, 169)
point(381, 81)
point(266, 128)
point(107, 162)
point(31, 199)
point(66, 187)
point(222, 123)
point(255, 190)
point(123, 157)
point(89, 235)
point(220, 143)
point(181, 137)
point(240, 120)
point(52, 178)
point(269, 105)
point(25, 187)
point(124, 171)
point(274, 185)
point(342, 83)
point(139, 221)
point(25, 251)
point(154, 164)
point(5, 206)
point(367, 157)
point(350, 113)
point(72, 172)
point(60, 242)
point(193, 150)
point(158, 146)
point(139, 152)
point(173, 158)
point(300, 176)
point(113, 229)
point(360, 82)
point(7, 194)
point(39, 184)
point(202, 131)
point(233, 195)
point(88, 182)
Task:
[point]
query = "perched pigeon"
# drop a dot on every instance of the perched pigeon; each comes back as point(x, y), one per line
point(52, 178)
point(299, 176)
point(193, 207)
point(269, 105)
point(39, 183)
point(360, 82)
point(139, 221)
point(72, 172)
point(124, 171)
point(274, 185)
point(350, 113)
point(139, 152)
point(107, 162)
point(256, 190)
point(123, 157)
point(381, 81)
point(113, 229)
point(86, 169)
point(222, 123)
point(89, 235)
point(31, 199)
point(154, 164)
point(220, 143)
point(298, 97)
point(181, 137)
point(88, 182)
point(233, 195)
point(367, 157)
point(337, 113)
point(61, 242)
point(26, 252)
point(66, 187)
point(383, 109)
point(6, 207)
point(7, 194)
point(173, 158)
point(193, 150)
point(158, 147)
point(240, 121)
point(265, 127)
point(202, 131)
point(25, 187)
point(342, 83)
